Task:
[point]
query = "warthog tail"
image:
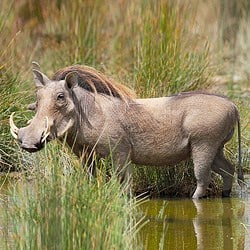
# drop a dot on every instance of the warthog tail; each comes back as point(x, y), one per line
point(240, 171)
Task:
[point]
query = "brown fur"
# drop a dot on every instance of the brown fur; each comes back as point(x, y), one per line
point(95, 81)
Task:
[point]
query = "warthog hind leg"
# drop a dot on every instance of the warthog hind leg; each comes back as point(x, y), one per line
point(224, 168)
point(203, 157)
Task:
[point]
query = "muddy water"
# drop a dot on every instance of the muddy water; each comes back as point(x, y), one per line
point(201, 224)
point(213, 223)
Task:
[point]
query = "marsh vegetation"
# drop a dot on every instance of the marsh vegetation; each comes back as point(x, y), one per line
point(156, 50)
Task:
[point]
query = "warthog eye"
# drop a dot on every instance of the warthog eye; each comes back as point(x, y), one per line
point(60, 97)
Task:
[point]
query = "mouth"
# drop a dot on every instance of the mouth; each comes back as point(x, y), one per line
point(32, 149)
point(38, 146)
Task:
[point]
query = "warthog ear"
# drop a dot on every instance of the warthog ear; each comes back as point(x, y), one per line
point(40, 79)
point(71, 79)
point(35, 65)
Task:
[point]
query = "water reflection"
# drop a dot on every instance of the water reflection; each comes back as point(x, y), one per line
point(221, 221)
point(201, 224)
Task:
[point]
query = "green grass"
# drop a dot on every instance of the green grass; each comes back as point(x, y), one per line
point(59, 207)
point(165, 65)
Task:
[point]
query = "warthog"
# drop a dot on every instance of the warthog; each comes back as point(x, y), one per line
point(96, 113)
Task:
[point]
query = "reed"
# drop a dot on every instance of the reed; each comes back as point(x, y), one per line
point(165, 65)
point(60, 207)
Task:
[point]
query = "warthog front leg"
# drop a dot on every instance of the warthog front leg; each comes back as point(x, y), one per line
point(121, 162)
point(123, 169)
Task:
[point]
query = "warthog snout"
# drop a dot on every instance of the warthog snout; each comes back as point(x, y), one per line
point(31, 138)
point(29, 143)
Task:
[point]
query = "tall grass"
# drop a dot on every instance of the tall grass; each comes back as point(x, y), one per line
point(62, 208)
point(165, 65)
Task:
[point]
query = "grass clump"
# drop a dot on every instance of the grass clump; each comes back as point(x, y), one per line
point(165, 65)
point(62, 208)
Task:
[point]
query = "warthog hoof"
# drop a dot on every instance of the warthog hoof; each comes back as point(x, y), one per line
point(226, 193)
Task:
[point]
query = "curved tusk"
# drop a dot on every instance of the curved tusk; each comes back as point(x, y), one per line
point(12, 124)
point(46, 132)
point(13, 134)
point(35, 65)
point(29, 121)
point(13, 128)
point(45, 137)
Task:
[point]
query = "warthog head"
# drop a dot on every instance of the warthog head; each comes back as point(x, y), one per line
point(55, 112)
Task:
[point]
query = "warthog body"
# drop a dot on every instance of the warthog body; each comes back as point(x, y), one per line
point(96, 113)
